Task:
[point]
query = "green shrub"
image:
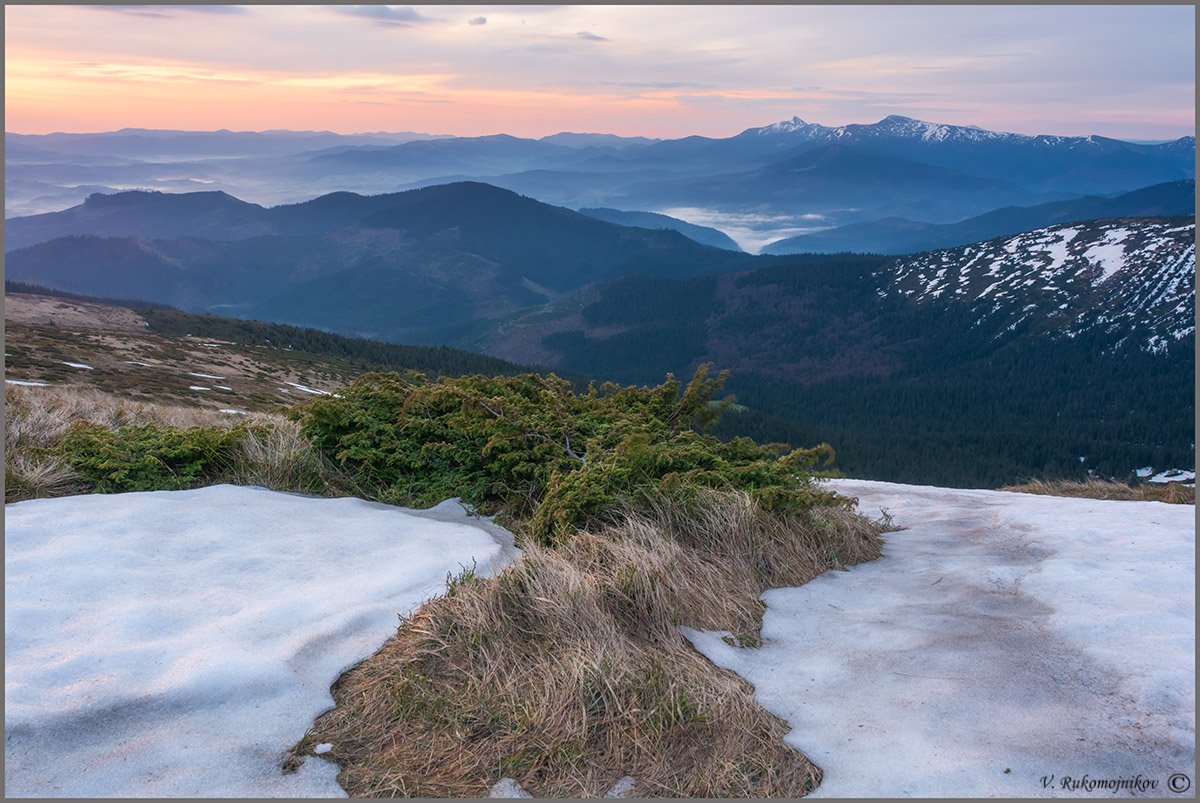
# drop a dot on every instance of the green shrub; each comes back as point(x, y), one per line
point(148, 457)
point(549, 457)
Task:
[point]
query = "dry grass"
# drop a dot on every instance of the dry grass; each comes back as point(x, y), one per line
point(282, 459)
point(568, 671)
point(39, 417)
point(276, 456)
point(1175, 493)
point(29, 475)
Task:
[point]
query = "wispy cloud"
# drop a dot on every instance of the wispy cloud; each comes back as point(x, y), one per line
point(393, 16)
point(656, 84)
point(166, 12)
point(659, 70)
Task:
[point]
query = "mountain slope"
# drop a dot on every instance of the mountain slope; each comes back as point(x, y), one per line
point(653, 220)
point(207, 215)
point(407, 266)
point(1120, 284)
point(215, 215)
point(1079, 165)
point(903, 236)
point(1131, 279)
point(168, 357)
point(843, 182)
point(977, 365)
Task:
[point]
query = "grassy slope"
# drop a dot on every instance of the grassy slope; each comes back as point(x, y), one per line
point(255, 361)
point(1172, 492)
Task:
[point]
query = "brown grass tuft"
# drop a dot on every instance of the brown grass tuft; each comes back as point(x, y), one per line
point(568, 671)
point(282, 459)
point(1175, 493)
point(30, 475)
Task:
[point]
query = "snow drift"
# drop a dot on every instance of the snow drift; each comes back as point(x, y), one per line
point(1003, 643)
point(176, 643)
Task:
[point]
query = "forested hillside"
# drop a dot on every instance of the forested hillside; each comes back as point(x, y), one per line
point(992, 379)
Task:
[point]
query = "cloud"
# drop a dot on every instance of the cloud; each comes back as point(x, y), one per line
point(657, 84)
point(395, 16)
point(166, 12)
point(591, 37)
point(477, 21)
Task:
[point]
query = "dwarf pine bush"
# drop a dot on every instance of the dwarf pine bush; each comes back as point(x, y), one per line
point(550, 458)
point(147, 457)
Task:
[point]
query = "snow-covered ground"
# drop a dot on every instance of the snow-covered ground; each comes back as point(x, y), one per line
point(176, 643)
point(1173, 475)
point(1003, 642)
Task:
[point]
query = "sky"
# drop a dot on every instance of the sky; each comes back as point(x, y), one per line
point(660, 71)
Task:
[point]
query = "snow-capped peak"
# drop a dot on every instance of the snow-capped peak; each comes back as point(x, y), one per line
point(899, 125)
point(794, 125)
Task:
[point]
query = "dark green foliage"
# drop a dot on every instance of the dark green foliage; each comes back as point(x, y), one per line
point(38, 290)
point(1018, 414)
point(551, 458)
point(905, 392)
point(432, 360)
point(147, 457)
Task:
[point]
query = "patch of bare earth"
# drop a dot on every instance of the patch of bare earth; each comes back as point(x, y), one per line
point(44, 334)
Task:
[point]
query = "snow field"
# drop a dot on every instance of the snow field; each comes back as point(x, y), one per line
point(176, 643)
point(1002, 638)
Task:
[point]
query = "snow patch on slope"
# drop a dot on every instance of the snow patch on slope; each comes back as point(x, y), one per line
point(176, 643)
point(1119, 277)
point(1001, 638)
point(1109, 253)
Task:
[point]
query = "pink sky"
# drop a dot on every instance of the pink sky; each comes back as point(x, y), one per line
point(1125, 71)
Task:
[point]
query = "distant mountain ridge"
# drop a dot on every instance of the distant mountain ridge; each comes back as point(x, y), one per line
point(1083, 164)
point(901, 236)
point(404, 266)
point(601, 170)
point(835, 179)
point(653, 220)
point(145, 143)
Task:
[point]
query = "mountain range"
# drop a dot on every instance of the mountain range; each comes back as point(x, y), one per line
point(896, 235)
point(424, 264)
point(411, 265)
point(1029, 306)
point(789, 176)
